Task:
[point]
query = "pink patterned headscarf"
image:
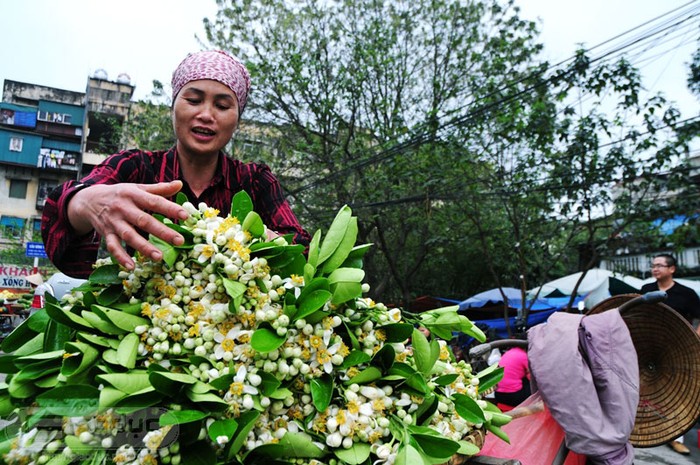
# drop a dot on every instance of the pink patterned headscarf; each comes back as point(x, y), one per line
point(216, 65)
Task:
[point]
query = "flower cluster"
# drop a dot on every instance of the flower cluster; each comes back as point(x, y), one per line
point(236, 348)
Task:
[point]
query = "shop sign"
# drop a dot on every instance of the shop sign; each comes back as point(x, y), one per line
point(13, 276)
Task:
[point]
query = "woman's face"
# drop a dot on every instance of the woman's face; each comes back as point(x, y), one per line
point(205, 115)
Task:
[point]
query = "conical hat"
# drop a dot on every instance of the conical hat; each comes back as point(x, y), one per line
point(668, 352)
point(35, 279)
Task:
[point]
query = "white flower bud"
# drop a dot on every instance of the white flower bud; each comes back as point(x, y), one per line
point(200, 351)
point(334, 440)
point(332, 424)
point(85, 437)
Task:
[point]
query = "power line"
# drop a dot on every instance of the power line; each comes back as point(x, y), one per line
point(418, 138)
point(450, 194)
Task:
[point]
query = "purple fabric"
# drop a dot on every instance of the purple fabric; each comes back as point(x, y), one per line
point(216, 65)
point(586, 369)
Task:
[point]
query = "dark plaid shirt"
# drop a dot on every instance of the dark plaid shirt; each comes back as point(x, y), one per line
point(75, 255)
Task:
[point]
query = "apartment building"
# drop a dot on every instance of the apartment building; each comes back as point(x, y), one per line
point(48, 136)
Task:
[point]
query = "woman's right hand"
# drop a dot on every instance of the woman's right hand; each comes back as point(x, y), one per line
point(119, 211)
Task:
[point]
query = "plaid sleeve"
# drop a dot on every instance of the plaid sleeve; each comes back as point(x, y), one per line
point(75, 255)
point(273, 207)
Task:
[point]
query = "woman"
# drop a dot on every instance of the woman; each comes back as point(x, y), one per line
point(117, 199)
point(514, 387)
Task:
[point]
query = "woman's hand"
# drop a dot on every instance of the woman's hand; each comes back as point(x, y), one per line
point(118, 211)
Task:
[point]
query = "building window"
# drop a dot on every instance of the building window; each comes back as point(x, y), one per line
point(11, 227)
point(45, 188)
point(16, 144)
point(52, 117)
point(18, 188)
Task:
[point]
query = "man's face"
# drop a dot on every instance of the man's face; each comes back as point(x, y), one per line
point(660, 269)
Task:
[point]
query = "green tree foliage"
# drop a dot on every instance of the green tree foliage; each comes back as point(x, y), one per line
point(150, 126)
point(368, 95)
point(469, 162)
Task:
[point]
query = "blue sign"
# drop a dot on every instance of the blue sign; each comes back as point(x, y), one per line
point(36, 249)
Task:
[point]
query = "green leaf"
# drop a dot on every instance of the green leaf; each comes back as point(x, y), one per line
point(335, 234)
point(97, 340)
point(269, 383)
point(498, 418)
point(37, 321)
point(22, 389)
point(300, 445)
point(132, 309)
point(422, 352)
point(266, 340)
point(170, 252)
point(343, 249)
point(235, 290)
point(18, 337)
point(281, 394)
point(7, 364)
point(311, 302)
point(426, 409)
point(314, 251)
point(313, 285)
point(346, 284)
point(122, 320)
point(436, 447)
point(56, 335)
point(178, 417)
point(110, 295)
point(75, 400)
point(130, 383)
point(38, 370)
point(309, 272)
point(103, 325)
point(241, 205)
point(181, 198)
point(397, 332)
point(34, 345)
point(26, 360)
point(367, 375)
point(77, 446)
point(127, 351)
point(384, 358)
point(208, 401)
point(198, 453)
point(468, 409)
point(78, 358)
point(110, 397)
point(489, 377)
point(409, 455)
point(246, 422)
point(170, 383)
point(356, 357)
point(417, 382)
point(356, 255)
point(223, 382)
point(222, 428)
point(106, 274)
point(322, 392)
point(253, 224)
point(6, 406)
point(446, 380)
point(498, 432)
point(467, 448)
point(355, 455)
point(67, 318)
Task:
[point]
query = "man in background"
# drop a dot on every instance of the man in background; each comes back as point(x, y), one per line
point(682, 299)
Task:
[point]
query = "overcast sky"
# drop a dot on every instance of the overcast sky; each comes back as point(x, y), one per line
point(60, 43)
